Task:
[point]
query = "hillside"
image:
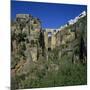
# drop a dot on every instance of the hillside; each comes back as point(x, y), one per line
point(41, 61)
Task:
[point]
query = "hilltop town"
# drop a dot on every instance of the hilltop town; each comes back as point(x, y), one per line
point(42, 57)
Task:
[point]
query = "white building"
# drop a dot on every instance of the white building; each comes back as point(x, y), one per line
point(82, 14)
point(72, 21)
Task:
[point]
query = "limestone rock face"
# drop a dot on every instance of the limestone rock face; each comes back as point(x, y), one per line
point(22, 18)
point(25, 33)
point(34, 53)
point(38, 54)
point(46, 39)
point(53, 40)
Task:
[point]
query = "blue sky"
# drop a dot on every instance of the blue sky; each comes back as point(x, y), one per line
point(51, 15)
